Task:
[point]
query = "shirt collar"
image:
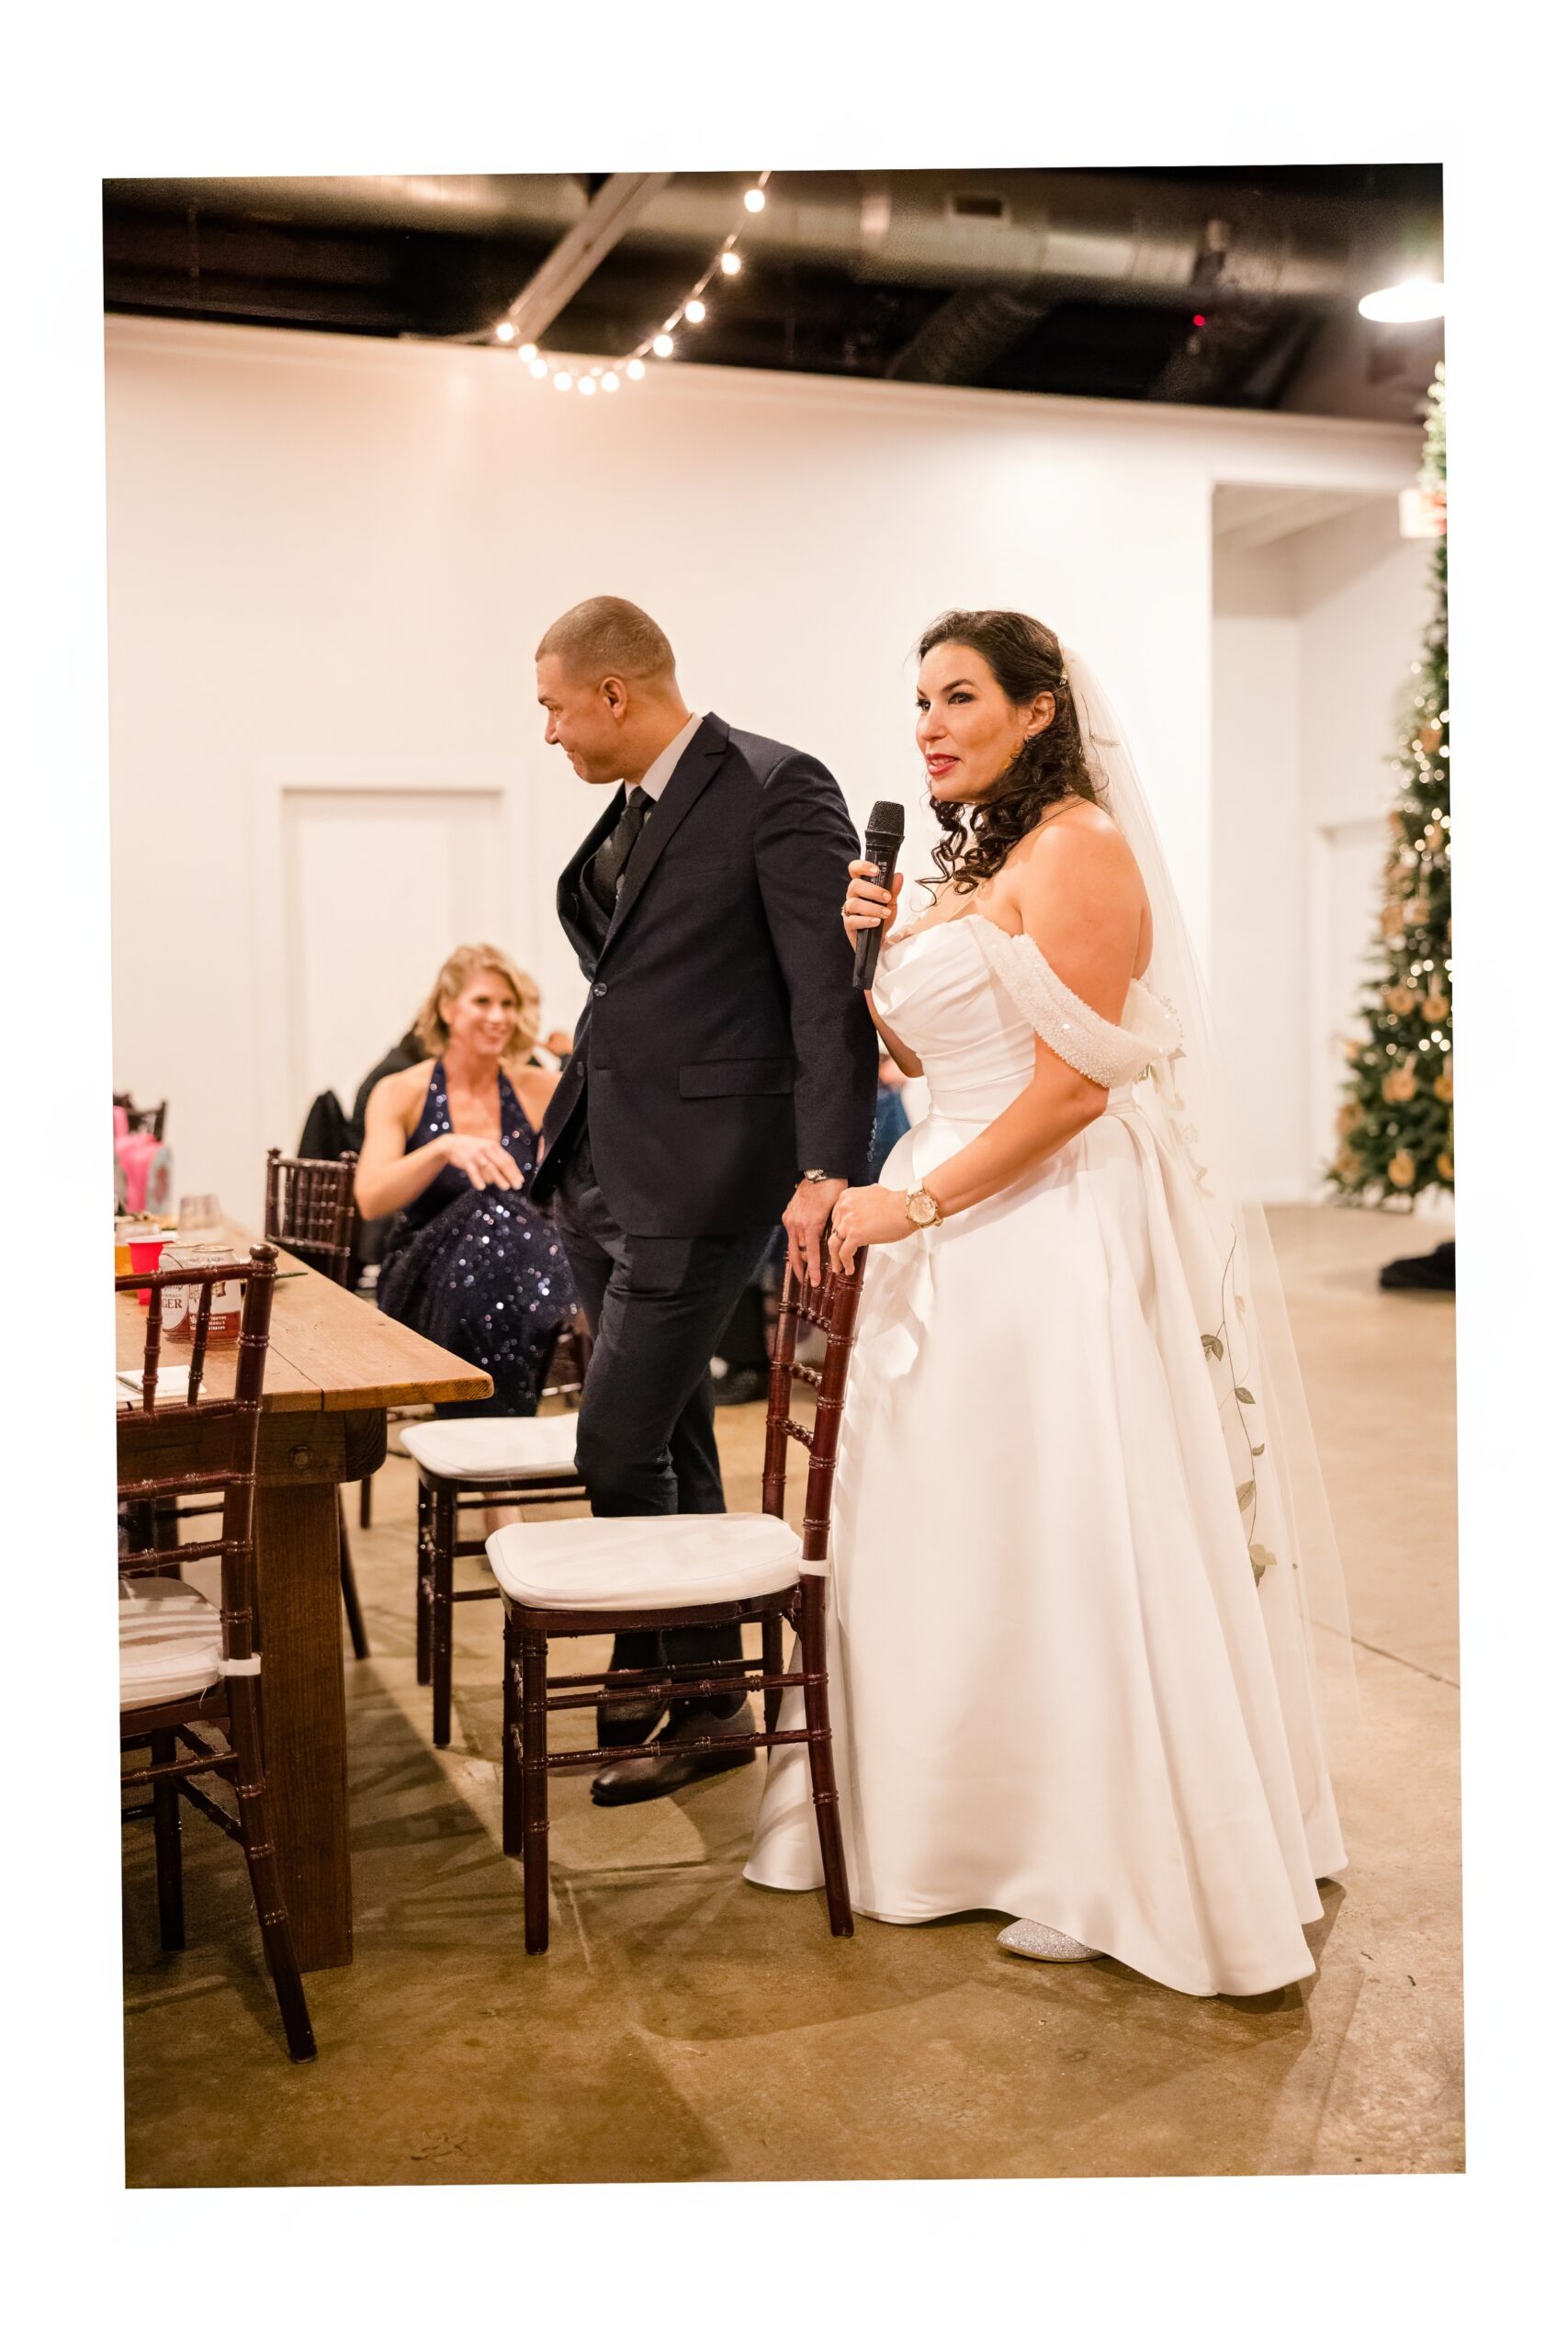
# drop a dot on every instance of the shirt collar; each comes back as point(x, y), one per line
point(668, 760)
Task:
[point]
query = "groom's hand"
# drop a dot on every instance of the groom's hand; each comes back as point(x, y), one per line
point(805, 1221)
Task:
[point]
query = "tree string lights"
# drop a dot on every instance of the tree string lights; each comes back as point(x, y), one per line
point(591, 378)
point(1396, 1123)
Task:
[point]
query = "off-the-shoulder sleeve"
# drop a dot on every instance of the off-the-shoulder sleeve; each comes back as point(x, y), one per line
point(1110, 1055)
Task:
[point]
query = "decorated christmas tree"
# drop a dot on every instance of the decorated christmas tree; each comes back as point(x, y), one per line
point(1396, 1135)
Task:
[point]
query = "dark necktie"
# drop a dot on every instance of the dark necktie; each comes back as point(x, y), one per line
point(607, 868)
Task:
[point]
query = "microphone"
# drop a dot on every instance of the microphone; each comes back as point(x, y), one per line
point(883, 840)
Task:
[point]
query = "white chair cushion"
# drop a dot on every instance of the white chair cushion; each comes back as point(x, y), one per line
point(171, 1641)
point(682, 1562)
point(483, 1450)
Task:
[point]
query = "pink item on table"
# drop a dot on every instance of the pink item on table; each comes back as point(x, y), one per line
point(144, 1257)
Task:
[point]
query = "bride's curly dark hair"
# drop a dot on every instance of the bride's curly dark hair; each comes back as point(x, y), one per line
point(1025, 659)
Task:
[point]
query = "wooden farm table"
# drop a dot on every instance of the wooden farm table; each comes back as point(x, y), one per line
point(334, 1367)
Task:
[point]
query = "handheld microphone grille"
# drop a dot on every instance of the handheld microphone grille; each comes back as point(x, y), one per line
point(883, 840)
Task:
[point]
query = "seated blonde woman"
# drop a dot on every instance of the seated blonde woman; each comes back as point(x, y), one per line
point(449, 1146)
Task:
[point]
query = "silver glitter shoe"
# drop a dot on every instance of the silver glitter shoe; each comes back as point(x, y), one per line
point(1029, 1940)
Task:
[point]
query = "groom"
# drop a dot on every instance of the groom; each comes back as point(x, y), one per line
point(723, 1075)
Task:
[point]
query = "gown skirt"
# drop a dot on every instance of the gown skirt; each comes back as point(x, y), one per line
point(1058, 1688)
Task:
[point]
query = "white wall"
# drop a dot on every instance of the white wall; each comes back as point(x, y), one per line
point(1313, 640)
point(330, 560)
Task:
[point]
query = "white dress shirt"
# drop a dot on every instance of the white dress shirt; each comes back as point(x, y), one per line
point(668, 760)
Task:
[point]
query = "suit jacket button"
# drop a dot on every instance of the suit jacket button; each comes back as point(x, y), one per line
point(599, 987)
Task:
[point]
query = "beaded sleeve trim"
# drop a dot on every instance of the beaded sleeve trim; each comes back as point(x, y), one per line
point(1100, 1049)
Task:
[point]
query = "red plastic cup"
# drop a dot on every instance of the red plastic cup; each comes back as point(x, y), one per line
point(144, 1257)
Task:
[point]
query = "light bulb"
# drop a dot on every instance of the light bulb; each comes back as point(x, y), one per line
point(635, 370)
point(506, 332)
point(663, 344)
point(611, 383)
point(754, 200)
point(1402, 305)
point(730, 264)
point(696, 311)
point(538, 367)
point(563, 381)
point(528, 351)
point(587, 383)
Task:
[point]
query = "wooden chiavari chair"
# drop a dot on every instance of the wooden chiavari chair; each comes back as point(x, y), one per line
point(310, 1211)
point(484, 1463)
point(571, 1577)
point(191, 1672)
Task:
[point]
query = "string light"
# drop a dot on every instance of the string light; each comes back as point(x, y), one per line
point(693, 309)
point(506, 332)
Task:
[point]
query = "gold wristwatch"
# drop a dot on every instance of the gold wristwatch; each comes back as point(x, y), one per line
point(920, 1209)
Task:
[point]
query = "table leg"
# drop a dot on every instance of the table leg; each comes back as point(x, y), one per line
point(304, 1724)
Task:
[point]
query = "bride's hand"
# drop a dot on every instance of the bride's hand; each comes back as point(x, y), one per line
point(865, 1214)
point(866, 903)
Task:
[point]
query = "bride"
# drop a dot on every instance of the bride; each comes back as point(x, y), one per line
point(1085, 1609)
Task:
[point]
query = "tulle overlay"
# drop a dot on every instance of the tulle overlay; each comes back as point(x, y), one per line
point(1061, 1687)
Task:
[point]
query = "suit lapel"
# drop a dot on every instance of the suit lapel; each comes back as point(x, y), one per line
point(569, 889)
point(697, 767)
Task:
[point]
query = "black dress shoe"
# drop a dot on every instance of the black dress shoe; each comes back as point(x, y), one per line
point(744, 1386)
point(667, 1762)
point(1434, 1271)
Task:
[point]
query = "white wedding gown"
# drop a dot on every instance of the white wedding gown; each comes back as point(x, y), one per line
point(1060, 1688)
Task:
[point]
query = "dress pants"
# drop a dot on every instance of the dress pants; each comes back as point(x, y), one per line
point(656, 1307)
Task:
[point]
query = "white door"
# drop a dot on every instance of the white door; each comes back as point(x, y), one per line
point(379, 886)
point(1348, 897)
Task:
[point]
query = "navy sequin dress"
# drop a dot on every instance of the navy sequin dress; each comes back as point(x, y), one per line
point(480, 1273)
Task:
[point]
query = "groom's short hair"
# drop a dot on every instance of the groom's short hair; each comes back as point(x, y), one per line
point(608, 636)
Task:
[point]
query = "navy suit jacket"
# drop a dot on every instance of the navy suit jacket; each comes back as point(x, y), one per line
point(722, 1048)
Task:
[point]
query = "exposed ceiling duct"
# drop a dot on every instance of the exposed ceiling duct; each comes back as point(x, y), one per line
point(971, 330)
point(1224, 287)
point(1109, 231)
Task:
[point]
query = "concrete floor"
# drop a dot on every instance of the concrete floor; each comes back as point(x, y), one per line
point(685, 2026)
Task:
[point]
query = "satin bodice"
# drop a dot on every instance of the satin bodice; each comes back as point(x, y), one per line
point(969, 998)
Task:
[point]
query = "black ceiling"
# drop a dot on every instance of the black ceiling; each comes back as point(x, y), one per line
point(1275, 283)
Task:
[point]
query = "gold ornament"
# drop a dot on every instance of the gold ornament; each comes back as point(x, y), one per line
point(1354, 1048)
point(1401, 1171)
point(1445, 1167)
point(1350, 1118)
point(1443, 1084)
point(1436, 838)
point(1430, 737)
point(1392, 919)
point(1349, 1166)
point(1418, 910)
point(1399, 1086)
point(1400, 1000)
point(1434, 1008)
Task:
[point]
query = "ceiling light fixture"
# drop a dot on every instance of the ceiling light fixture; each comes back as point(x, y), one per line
point(1405, 305)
